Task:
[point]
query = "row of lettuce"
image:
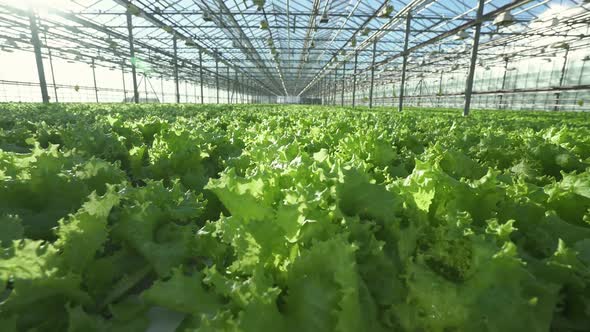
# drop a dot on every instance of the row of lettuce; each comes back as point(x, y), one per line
point(269, 218)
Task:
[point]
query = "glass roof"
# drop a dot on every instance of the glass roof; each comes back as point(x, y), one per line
point(284, 47)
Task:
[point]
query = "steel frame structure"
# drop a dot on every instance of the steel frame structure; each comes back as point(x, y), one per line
point(296, 47)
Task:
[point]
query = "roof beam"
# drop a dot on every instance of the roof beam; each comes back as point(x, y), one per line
point(158, 23)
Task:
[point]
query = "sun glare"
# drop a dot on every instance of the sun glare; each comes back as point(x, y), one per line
point(40, 5)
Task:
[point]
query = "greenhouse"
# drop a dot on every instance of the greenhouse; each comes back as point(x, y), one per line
point(295, 165)
point(530, 55)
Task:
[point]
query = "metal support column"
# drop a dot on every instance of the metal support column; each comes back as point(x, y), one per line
point(326, 90)
point(439, 93)
point(241, 86)
point(51, 68)
point(356, 56)
point(201, 75)
point(237, 88)
point(124, 87)
point(162, 87)
point(228, 86)
point(506, 59)
point(404, 63)
point(470, 75)
point(145, 88)
point(176, 84)
point(217, 79)
point(420, 85)
point(372, 74)
point(334, 89)
point(321, 88)
point(343, 82)
point(38, 56)
point(94, 79)
point(563, 68)
point(242, 89)
point(132, 53)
